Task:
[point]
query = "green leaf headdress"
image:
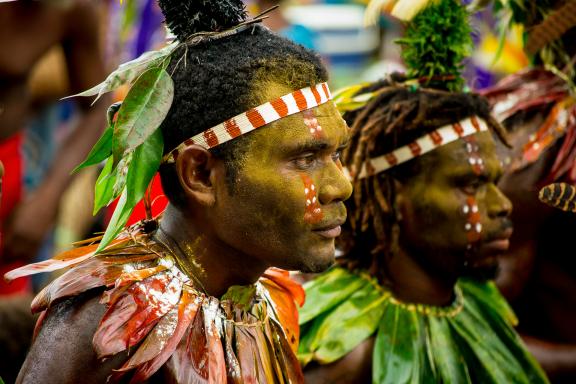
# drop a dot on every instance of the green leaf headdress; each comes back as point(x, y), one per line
point(132, 145)
point(436, 41)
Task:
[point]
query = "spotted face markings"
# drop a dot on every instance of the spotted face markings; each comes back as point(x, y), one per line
point(313, 213)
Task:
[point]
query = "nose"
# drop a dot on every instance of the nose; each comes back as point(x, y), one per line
point(498, 204)
point(336, 186)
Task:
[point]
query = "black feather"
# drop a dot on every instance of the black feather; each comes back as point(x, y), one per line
point(186, 17)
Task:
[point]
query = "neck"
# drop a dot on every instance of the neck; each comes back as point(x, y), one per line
point(412, 283)
point(213, 265)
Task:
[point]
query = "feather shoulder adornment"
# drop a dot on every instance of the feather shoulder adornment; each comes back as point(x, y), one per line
point(249, 335)
point(470, 341)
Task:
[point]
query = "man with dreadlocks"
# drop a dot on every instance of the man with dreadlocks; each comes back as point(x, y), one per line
point(241, 123)
point(410, 301)
point(538, 109)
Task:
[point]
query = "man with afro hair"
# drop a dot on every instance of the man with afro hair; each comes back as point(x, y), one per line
point(241, 126)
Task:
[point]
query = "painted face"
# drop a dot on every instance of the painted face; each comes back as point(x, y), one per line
point(287, 205)
point(453, 214)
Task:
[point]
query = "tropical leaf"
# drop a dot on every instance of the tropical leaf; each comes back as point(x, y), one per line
point(128, 72)
point(104, 186)
point(348, 324)
point(240, 296)
point(119, 219)
point(488, 294)
point(141, 113)
point(329, 290)
point(499, 365)
point(144, 165)
point(101, 150)
point(398, 348)
point(133, 180)
point(121, 171)
point(449, 362)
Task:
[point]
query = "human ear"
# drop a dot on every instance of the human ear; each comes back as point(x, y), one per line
point(194, 166)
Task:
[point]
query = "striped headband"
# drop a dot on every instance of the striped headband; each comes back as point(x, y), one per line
point(257, 117)
point(424, 144)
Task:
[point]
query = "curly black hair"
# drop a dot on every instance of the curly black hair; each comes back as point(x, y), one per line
point(397, 116)
point(219, 79)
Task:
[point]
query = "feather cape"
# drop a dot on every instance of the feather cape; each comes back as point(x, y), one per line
point(250, 335)
point(542, 91)
point(470, 341)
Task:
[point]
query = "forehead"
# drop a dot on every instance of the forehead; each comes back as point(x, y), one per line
point(295, 130)
point(453, 158)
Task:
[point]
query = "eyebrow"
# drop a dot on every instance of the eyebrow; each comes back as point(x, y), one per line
point(315, 145)
point(465, 173)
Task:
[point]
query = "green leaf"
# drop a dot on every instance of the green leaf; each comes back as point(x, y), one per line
point(488, 294)
point(450, 364)
point(136, 170)
point(144, 165)
point(240, 295)
point(119, 219)
point(349, 324)
point(104, 186)
point(327, 291)
point(121, 172)
point(144, 108)
point(128, 72)
point(400, 348)
point(101, 150)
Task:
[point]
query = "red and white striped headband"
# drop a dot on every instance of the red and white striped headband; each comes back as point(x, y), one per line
point(424, 144)
point(257, 117)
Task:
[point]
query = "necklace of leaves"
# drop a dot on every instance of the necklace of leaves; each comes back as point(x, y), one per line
point(470, 341)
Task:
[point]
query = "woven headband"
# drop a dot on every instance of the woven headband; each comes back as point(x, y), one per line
point(424, 144)
point(257, 117)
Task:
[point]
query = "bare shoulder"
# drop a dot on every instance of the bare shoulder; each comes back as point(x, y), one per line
point(354, 368)
point(62, 351)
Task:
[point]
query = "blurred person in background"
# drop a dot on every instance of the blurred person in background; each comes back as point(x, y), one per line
point(47, 50)
point(278, 22)
point(538, 109)
point(29, 30)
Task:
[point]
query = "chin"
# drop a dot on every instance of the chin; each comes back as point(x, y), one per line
point(317, 262)
point(483, 271)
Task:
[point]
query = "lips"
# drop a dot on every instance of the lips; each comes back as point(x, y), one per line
point(330, 230)
point(500, 243)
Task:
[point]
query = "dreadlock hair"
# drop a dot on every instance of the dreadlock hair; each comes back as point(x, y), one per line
point(219, 79)
point(397, 116)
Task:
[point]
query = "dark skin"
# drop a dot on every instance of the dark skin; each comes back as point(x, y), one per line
point(258, 224)
point(432, 248)
point(28, 30)
point(537, 273)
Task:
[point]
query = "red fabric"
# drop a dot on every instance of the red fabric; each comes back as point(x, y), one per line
point(11, 157)
point(159, 202)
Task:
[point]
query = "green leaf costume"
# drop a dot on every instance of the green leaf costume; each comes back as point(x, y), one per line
point(470, 341)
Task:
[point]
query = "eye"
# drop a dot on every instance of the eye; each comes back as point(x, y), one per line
point(472, 187)
point(336, 155)
point(305, 161)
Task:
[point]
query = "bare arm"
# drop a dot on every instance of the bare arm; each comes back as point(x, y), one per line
point(62, 352)
point(354, 368)
point(558, 360)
